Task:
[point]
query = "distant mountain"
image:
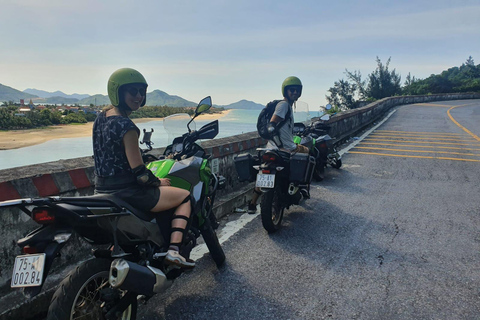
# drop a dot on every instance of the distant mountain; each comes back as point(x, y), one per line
point(160, 98)
point(154, 98)
point(96, 100)
point(244, 104)
point(10, 94)
point(46, 94)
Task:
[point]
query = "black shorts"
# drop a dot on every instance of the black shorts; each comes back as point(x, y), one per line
point(143, 198)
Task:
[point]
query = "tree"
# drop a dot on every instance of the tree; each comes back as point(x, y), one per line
point(342, 95)
point(383, 83)
point(380, 83)
point(465, 78)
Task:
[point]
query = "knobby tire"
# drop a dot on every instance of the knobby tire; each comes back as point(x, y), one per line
point(272, 209)
point(211, 240)
point(86, 276)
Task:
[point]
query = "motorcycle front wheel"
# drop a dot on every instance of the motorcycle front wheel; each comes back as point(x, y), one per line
point(211, 240)
point(79, 294)
point(336, 163)
point(272, 209)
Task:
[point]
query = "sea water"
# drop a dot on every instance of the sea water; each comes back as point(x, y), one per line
point(235, 122)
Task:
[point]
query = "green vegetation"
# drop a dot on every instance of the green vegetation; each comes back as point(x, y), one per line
point(381, 83)
point(12, 119)
point(161, 112)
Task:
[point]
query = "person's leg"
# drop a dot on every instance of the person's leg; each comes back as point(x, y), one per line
point(171, 197)
point(252, 206)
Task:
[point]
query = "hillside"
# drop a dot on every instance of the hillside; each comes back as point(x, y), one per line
point(244, 104)
point(46, 94)
point(10, 94)
point(154, 98)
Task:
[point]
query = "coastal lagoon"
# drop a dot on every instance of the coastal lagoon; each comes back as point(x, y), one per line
point(235, 122)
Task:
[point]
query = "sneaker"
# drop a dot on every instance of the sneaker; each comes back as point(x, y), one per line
point(252, 209)
point(175, 258)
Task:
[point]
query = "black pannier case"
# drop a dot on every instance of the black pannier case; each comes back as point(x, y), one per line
point(244, 165)
point(301, 168)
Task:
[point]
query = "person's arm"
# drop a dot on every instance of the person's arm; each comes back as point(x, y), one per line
point(276, 119)
point(134, 157)
point(132, 150)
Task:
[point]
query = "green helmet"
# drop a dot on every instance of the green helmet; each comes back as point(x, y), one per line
point(291, 81)
point(120, 78)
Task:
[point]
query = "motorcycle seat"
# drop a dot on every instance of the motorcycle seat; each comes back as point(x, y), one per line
point(86, 205)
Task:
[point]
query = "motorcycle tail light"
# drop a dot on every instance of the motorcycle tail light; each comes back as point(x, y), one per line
point(42, 216)
point(29, 250)
point(266, 171)
point(268, 157)
point(323, 145)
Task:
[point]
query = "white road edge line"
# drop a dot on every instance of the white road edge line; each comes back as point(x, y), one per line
point(227, 231)
point(234, 226)
point(353, 144)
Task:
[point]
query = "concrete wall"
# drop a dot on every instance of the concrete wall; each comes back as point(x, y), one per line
point(75, 177)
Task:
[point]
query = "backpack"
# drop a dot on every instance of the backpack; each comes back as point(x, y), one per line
point(265, 116)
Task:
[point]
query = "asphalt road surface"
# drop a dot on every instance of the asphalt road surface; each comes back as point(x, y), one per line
point(393, 234)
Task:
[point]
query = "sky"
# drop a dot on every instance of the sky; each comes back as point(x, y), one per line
point(230, 50)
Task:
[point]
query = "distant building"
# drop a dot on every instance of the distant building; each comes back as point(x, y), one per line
point(24, 110)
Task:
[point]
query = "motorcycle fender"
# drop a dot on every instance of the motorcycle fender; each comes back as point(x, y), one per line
point(43, 239)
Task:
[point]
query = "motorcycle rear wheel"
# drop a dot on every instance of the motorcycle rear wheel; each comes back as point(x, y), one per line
point(78, 296)
point(272, 210)
point(211, 240)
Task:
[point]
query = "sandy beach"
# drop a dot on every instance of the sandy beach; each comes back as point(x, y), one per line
point(14, 139)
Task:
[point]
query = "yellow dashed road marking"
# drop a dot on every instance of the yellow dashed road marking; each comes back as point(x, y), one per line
point(458, 144)
point(418, 139)
point(407, 132)
point(416, 146)
point(445, 139)
point(424, 151)
point(408, 156)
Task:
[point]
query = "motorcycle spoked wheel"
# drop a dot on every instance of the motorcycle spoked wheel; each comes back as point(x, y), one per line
point(211, 240)
point(78, 296)
point(272, 209)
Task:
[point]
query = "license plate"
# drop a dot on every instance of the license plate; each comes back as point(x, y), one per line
point(265, 180)
point(28, 270)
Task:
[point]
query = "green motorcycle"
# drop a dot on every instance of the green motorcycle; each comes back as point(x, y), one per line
point(188, 166)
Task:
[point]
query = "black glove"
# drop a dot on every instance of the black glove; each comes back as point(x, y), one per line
point(145, 177)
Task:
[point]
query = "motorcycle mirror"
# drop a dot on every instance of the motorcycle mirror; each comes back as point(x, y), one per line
point(325, 117)
point(328, 107)
point(204, 105)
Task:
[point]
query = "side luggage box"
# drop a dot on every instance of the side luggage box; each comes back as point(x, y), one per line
point(301, 168)
point(244, 165)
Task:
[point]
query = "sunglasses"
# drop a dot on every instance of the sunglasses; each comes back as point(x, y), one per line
point(294, 89)
point(133, 91)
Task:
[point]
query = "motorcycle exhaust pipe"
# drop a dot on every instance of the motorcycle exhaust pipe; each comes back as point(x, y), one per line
point(133, 277)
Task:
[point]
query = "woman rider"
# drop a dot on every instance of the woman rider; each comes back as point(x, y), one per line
point(119, 167)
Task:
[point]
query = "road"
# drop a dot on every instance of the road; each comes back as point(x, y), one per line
point(393, 234)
